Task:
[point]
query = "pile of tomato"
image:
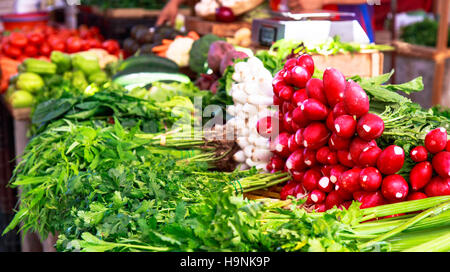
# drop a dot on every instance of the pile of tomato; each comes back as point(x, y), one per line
point(41, 40)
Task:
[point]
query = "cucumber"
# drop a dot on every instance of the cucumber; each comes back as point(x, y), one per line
point(144, 68)
point(130, 81)
point(150, 61)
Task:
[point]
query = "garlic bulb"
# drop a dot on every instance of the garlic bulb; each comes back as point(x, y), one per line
point(252, 95)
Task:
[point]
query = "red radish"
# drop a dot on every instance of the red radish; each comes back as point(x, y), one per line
point(332, 200)
point(441, 164)
point(287, 122)
point(438, 187)
point(290, 63)
point(309, 157)
point(317, 196)
point(287, 107)
point(334, 86)
point(294, 126)
point(419, 154)
point(315, 135)
point(336, 172)
point(297, 176)
point(345, 126)
point(338, 143)
point(370, 179)
point(325, 170)
point(330, 121)
point(369, 156)
point(280, 145)
point(322, 154)
point(314, 89)
point(357, 145)
point(311, 178)
point(344, 194)
point(369, 199)
point(349, 180)
point(299, 191)
point(307, 62)
point(325, 185)
point(269, 167)
point(420, 175)
point(345, 158)
point(416, 196)
point(288, 190)
point(345, 205)
point(391, 160)
point(278, 83)
point(314, 109)
point(299, 117)
point(394, 188)
point(356, 101)
point(447, 148)
point(370, 127)
point(292, 145)
point(277, 163)
point(321, 207)
point(277, 101)
point(299, 97)
point(295, 161)
point(299, 76)
point(267, 126)
point(332, 158)
point(436, 140)
point(286, 93)
point(298, 137)
point(339, 109)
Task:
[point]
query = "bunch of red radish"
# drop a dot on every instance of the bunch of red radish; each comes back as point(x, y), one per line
point(326, 141)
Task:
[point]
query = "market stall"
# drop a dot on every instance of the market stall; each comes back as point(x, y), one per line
point(222, 134)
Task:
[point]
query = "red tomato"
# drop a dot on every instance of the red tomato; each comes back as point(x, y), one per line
point(59, 46)
point(95, 31)
point(18, 39)
point(45, 49)
point(94, 43)
point(12, 51)
point(30, 51)
point(85, 45)
point(111, 46)
point(49, 30)
point(74, 44)
point(35, 38)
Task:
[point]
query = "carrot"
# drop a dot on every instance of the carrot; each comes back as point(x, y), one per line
point(161, 54)
point(193, 35)
point(167, 41)
point(160, 48)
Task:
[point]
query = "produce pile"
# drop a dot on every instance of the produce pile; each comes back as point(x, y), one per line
point(422, 33)
point(64, 75)
point(41, 41)
point(118, 164)
point(326, 140)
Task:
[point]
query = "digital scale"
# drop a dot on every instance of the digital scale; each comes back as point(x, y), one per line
point(314, 28)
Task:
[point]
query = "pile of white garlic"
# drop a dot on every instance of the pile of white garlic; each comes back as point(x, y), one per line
point(252, 96)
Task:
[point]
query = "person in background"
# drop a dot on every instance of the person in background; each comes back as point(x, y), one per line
point(169, 12)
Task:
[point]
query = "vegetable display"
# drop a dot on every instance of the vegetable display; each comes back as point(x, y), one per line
point(333, 147)
point(117, 161)
point(42, 40)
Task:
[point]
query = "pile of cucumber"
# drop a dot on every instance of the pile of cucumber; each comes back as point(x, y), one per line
point(143, 70)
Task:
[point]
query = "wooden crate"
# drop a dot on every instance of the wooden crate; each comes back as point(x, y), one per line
point(22, 114)
point(204, 27)
point(367, 63)
point(132, 12)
